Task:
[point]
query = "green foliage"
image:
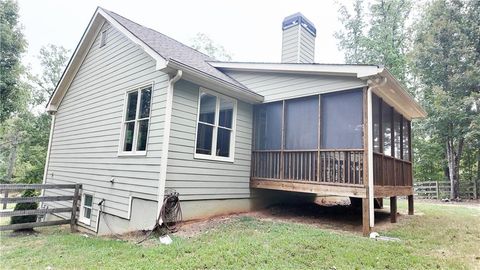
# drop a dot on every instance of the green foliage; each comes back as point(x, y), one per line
point(25, 206)
point(377, 36)
point(206, 45)
point(446, 62)
point(252, 243)
point(13, 96)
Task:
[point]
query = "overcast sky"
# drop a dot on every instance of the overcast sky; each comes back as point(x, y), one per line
point(250, 30)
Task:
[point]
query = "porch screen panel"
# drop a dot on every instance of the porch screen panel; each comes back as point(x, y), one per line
point(387, 128)
point(342, 120)
point(406, 139)
point(301, 123)
point(397, 127)
point(376, 123)
point(268, 126)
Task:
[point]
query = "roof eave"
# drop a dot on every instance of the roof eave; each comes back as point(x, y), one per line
point(206, 80)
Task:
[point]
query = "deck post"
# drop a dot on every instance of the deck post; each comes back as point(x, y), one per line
point(73, 218)
point(366, 216)
point(410, 204)
point(393, 209)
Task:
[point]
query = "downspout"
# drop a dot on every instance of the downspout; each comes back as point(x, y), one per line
point(166, 141)
point(47, 159)
point(371, 185)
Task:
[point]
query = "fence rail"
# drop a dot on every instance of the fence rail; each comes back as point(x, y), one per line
point(441, 189)
point(75, 197)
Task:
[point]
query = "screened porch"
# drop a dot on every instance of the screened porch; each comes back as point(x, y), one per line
point(316, 144)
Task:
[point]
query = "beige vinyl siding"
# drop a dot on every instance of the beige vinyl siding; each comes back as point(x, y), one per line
point(278, 86)
point(197, 179)
point(88, 127)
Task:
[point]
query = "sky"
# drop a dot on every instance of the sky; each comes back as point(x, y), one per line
point(250, 30)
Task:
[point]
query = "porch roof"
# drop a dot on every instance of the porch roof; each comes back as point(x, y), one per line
point(382, 82)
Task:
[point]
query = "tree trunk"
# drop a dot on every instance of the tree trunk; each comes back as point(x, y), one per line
point(453, 158)
point(11, 160)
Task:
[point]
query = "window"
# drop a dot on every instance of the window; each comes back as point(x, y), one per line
point(342, 120)
point(103, 38)
point(397, 128)
point(301, 123)
point(86, 209)
point(136, 120)
point(215, 127)
point(268, 126)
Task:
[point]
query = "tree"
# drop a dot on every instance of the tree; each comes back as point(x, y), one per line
point(13, 96)
point(206, 45)
point(53, 60)
point(446, 57)
point(378, 37)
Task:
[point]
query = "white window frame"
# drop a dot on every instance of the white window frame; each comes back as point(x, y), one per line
point(123, 129)
point(81, 217)
point(233, 130)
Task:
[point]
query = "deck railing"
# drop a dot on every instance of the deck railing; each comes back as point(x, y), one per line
point(341, 166)
point(390, 171)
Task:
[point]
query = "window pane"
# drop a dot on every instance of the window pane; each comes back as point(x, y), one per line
point(207, 108)
point(301, 123)
point(88, 200)
point(129, 129)
point(397, 128)
point(342, 120)
point(87, 213)
point(376, 123)
point(223, 142)
point(406, 138)
point(131, 106)
point(145, 102)
point(226, 113)
point(387, 128)
point(204, 139)
point(268, 126)
point(142, 135)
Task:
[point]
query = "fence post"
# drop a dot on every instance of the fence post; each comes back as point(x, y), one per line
point(475, 189)
point(6, 196)
point(438, 190)
point(74, 208)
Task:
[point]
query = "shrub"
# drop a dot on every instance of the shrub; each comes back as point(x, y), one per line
point(25, 206)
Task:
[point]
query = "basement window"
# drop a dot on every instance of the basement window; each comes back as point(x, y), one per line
point(103, 38)
point(215, 127)
point(86, 209)
point(136, 121)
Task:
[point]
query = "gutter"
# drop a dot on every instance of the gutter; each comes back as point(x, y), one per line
point(166, 141)
point(49, 147)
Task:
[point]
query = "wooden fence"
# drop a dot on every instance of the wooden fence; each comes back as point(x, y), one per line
point(441, 189)
point(8, 188)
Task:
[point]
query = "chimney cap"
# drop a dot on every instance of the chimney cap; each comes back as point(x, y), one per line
point(299, 19)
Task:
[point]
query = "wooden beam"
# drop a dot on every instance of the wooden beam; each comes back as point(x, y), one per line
point(36, 199)
point(34, 212)
point(358, 191)
point(73, 217)
point(33, 225)
point(410, 204)
point(393, 209)
point(390, 191)
point(35, 186)
point(365, 217)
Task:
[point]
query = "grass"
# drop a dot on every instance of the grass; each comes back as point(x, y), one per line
point(445, 237)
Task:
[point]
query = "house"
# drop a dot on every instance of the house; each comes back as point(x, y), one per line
point(137, 113)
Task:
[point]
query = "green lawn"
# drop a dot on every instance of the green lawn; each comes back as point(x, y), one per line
point(440, 236)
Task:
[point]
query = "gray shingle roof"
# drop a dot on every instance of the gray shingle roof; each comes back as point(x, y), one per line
point(169, 48)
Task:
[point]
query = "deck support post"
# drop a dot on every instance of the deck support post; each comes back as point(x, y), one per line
point(366, 216)
point(393, 209)
point(410, 204)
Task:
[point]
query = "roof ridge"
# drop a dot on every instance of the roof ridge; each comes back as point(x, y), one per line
point(166, 36)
